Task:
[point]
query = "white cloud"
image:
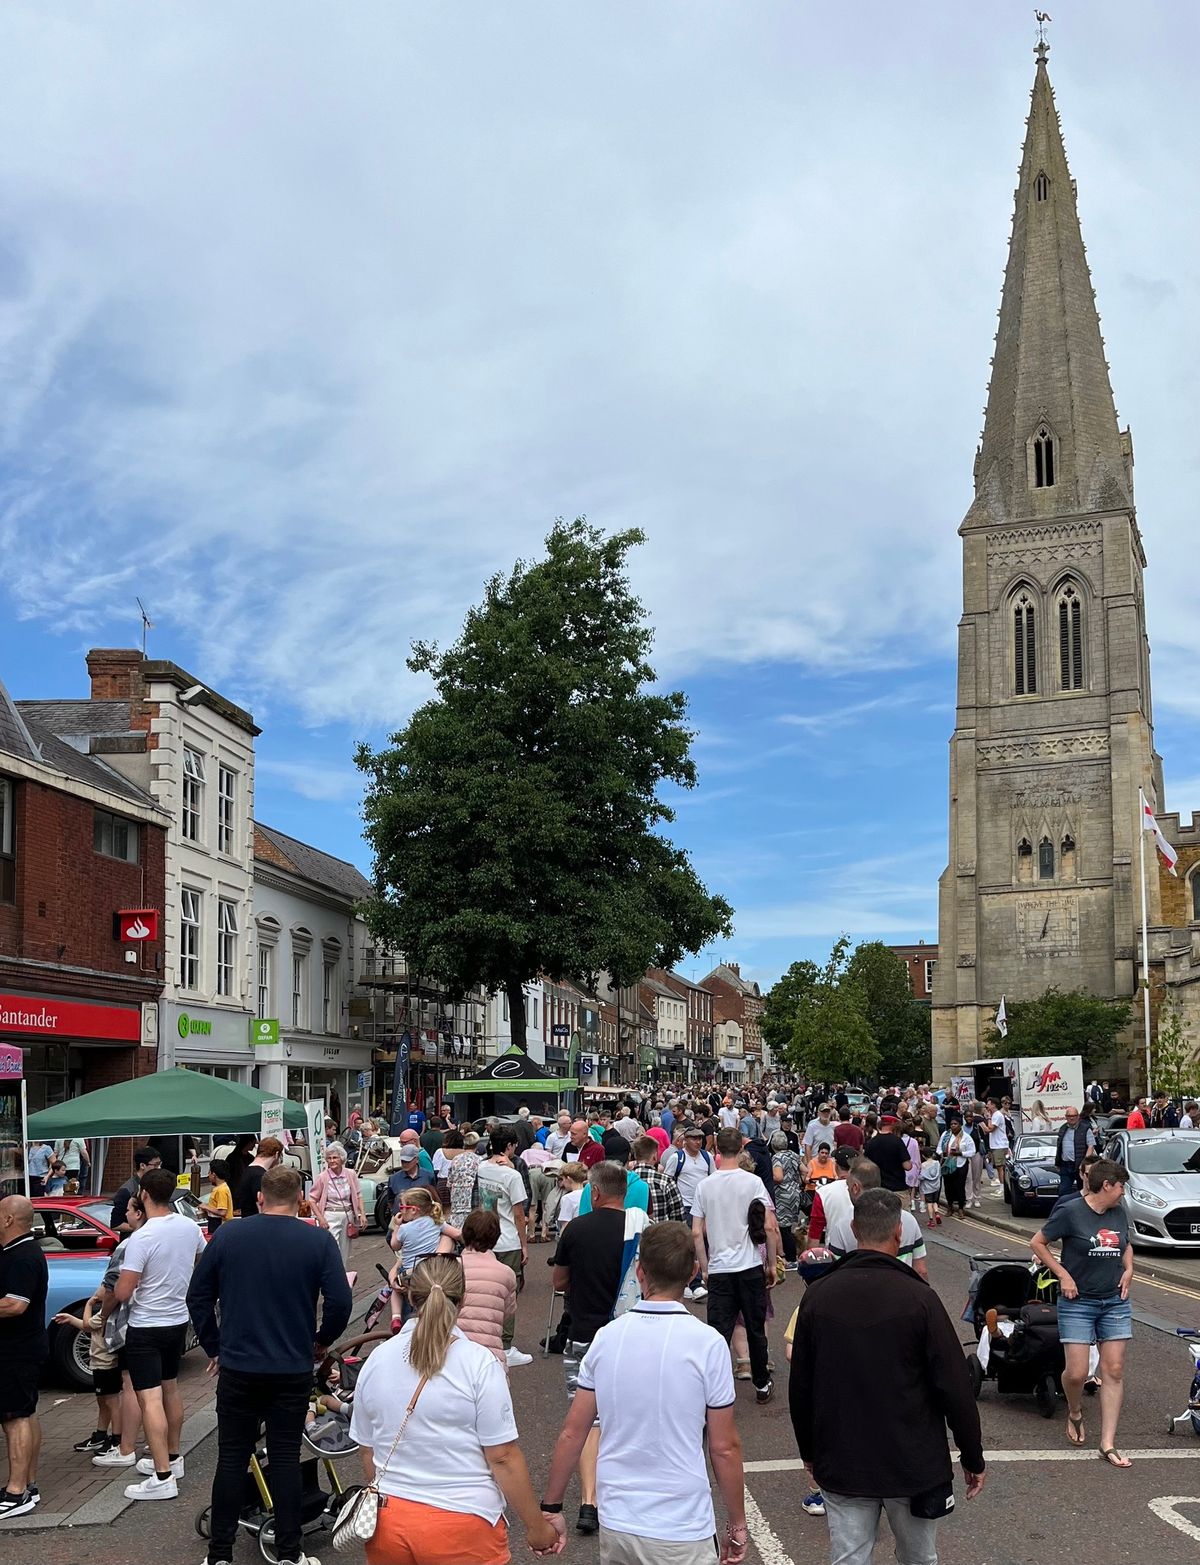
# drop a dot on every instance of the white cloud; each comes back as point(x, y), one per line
point(311, 318)
point(312, 780)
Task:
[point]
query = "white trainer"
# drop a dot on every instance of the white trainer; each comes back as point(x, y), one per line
point(153, 1488)
point(514, 1358)
point(146, 1465)
point(114, 1458)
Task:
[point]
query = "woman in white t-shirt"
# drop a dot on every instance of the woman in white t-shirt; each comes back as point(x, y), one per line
point(429, 1392)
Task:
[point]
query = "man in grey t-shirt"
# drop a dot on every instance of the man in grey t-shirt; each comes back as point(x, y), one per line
point(1094, 1273)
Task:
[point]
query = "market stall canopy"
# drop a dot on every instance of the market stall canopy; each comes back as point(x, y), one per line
point(169, 1103)
point(513, 1072)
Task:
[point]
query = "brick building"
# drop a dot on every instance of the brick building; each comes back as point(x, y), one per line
point(920, 960)
point(697, 1019)
point(79, 844)
point(740, 1000)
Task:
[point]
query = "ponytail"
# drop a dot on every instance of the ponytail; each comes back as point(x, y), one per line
point(435, 1291)
point(426, 1200)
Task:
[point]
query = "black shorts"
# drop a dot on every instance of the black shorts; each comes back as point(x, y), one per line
point(153, 1354)
point(107, 1382)
point(19, 1387)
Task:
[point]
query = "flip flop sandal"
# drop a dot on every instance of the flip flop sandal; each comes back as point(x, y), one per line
point(1113, 1457)
point(1075, 1422)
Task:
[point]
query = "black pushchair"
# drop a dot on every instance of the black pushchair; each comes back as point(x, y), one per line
point(1012, 1308)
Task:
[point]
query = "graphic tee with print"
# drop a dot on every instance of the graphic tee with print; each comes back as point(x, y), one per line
point(500, 1190)
point(1093, 1246)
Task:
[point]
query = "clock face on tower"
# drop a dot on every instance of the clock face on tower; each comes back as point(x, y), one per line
point(1048, 925)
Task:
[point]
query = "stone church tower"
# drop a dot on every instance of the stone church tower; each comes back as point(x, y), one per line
point(1053, 735)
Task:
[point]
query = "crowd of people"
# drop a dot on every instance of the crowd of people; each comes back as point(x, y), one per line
point(670, 1199)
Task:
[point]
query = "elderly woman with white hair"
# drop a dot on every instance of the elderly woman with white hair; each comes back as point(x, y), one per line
point(336, 1199)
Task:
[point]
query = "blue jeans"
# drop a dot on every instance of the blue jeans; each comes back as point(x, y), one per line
point(854, 1522)
point(1068, 1179)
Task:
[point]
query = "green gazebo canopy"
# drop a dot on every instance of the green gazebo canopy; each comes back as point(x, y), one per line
point(169, 1103)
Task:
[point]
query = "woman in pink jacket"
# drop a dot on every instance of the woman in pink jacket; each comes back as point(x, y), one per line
point(491, 1296)
point(336, 1199)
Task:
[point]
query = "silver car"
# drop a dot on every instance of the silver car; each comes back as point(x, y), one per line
point(1162, 1195)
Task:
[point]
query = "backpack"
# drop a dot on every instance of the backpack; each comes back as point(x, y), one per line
point(680, 1154)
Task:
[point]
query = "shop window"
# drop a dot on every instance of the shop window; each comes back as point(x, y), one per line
point(226, 810)
point(115, 837)
point(227, 933)
point(193, 794)
point(189, 939)
point(8, 876)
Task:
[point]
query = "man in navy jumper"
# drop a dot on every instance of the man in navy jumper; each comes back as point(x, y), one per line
point(266, 1277)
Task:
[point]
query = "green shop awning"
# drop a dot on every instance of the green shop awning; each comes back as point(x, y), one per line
point(169, 1103)
point(513, 1071)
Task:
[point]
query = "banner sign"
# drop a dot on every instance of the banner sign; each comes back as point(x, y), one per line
point(314, 1113)
point(271, 1120)
point(264, 1030)
point(135, 926)
point(12, 1062)
point(70, 1019)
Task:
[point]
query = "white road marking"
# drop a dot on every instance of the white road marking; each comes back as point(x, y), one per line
point(1164, 1509)
point(1178, 1453)
point(770, 1550)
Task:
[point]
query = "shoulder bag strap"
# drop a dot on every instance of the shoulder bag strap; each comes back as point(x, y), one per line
point(408, 1412)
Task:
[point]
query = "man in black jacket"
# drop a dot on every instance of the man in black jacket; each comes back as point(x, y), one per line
point(266, 1277)
point(873, 1322)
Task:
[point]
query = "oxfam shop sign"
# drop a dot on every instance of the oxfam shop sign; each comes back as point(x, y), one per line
point(192, 1026)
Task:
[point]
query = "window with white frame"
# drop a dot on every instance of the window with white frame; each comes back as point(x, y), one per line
point(331, 1003)
point(226, 810)
point(266, 962)
point(930, 964)
point(227, 933)
point(189, 939)
point(534, 1011)
point(8, 876)
point(191, 824)
point(299, 988)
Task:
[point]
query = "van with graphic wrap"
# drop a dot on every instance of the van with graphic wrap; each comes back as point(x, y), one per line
point(1055, 1081)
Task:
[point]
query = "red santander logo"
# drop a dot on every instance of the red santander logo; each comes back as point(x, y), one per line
point(135, 926)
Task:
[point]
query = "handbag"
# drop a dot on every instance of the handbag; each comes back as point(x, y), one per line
point(352, 1229)
point(359, 1516)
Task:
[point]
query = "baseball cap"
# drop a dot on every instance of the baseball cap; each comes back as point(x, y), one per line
point(408, 1153)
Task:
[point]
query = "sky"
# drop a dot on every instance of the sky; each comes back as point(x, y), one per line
point(312, 317)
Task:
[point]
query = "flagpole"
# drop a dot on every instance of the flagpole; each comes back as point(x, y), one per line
point(1145, 939)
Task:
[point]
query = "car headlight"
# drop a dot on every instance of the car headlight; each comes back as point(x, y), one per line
point(1146, 1199)
point(1024, 1181)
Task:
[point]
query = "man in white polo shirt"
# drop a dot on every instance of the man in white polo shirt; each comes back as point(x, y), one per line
point(657, 1511)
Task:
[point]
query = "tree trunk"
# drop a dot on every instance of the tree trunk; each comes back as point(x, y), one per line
point(515, 990)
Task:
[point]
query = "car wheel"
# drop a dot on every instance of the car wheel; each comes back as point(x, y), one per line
point(69, 1352)
point(383, 1210)
point(1019, 1208)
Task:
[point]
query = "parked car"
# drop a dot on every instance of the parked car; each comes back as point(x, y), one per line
point(1162, 1193)
point(1029, 1176)
point(77, 1244)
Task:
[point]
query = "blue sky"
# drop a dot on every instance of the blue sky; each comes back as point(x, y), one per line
point(309, 320)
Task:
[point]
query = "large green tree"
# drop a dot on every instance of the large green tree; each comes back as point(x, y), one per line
point(1062, 1021)
point(782, 1004)
point(516, 821)
point(1175, 1059)
point(900, 1025)
point(831, 1036)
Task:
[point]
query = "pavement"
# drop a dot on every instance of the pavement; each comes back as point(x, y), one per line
point(1041, 1496)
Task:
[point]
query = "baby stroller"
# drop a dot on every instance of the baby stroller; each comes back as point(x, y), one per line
point(1012, 1308)
point(328, 1439)
point(1191, 1414)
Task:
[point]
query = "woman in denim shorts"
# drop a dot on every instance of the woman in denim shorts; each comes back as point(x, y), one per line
point(1094, 1274)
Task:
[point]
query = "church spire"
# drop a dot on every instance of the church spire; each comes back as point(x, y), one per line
point(1050, 443)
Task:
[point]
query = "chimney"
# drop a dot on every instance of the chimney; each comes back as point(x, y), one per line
point(116, 673)
point(735, 967)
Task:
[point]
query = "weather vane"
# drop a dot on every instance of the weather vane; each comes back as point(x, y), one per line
point(1042, 18)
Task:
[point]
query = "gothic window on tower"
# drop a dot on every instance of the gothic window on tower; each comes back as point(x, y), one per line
point(1041, 188)
point(1196, 895)
point(1024, 645)
point(1070, 638)
point(1045, 859)
point(1066, 858)
point(1024, 860)
point(1043, 458)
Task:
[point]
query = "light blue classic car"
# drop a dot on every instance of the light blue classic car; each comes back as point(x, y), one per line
point(77, 1243)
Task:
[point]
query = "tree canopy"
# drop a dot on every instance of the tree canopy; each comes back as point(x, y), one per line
point(900, 1025)
point(1062, 1021)
point(831, 1037)
point(516, 821)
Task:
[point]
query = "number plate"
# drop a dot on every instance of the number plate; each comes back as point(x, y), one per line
point(1194, 1228)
